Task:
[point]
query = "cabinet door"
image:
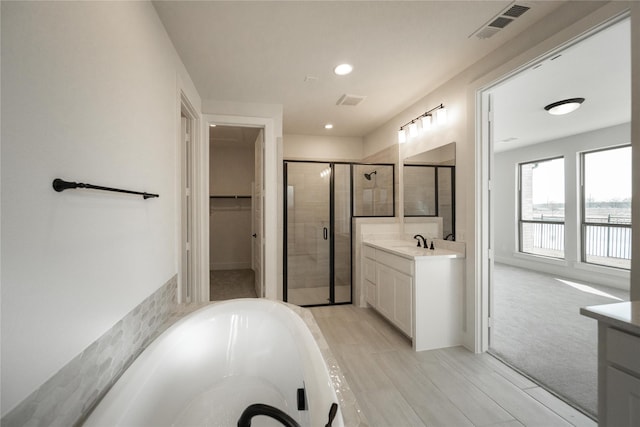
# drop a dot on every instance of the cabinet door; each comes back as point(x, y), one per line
point(369, 267)
point(403, 310)
point(623, 399)
point(371, 294)
point(386, 295)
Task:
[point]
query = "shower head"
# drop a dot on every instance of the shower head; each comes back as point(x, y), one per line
point(368, 175)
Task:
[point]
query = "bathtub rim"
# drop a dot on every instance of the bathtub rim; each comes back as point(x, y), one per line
point(293, 312)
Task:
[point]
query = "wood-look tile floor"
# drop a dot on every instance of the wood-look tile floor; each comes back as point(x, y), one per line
point(397, 387)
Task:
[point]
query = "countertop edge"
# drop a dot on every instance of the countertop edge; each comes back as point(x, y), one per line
point(382, 247)
point(623, 315)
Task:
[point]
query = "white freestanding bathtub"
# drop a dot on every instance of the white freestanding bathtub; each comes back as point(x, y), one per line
point(212, 364)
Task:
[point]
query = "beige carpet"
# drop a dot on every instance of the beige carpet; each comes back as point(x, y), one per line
point(538, 329)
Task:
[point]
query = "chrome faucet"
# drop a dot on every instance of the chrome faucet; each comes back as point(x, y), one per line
point(424, 241)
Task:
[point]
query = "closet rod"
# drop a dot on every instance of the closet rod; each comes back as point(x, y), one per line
point(229, 197)
point(61, 185)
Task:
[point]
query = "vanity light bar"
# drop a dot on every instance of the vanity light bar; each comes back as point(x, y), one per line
point(426, 120)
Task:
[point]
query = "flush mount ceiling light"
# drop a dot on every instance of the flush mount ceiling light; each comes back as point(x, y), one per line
point(565, 106)
point(427, 122)
point(328, 126)
point(343, 69)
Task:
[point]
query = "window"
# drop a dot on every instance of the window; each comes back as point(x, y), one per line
point(541, 216)
point(606, 207)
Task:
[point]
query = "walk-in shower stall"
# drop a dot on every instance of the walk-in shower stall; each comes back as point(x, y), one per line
point(320, 201)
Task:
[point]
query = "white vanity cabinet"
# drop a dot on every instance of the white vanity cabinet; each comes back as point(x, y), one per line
point(618, 363)
point(389, 287)
point(417, 290)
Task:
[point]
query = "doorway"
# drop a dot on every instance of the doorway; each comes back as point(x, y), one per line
point(317, 233)
point(532, 310)
point(235, 211)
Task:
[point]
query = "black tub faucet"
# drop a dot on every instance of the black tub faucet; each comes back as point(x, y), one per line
point(267, 410)
point(424, 241)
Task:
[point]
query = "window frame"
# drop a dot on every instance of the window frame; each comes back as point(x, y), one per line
point(583, 211)
point(522, 221)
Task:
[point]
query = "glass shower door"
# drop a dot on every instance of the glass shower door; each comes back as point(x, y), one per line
point(308, 233)
point(341, 233)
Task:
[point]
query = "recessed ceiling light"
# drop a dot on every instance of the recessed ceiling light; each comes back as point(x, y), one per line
point(565, 106)
point(328, 126)
point(343, 69)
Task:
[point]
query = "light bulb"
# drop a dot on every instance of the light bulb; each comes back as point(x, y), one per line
point(441, 116)
point(402, 136)
point(427, 121)
point(413, 129)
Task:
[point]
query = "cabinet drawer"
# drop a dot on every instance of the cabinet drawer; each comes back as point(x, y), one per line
point(623, 349)
point(368, 252)
point(369, 267)
point(399, 263)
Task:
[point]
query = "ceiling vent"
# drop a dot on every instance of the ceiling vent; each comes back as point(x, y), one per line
point(501, 20)
point(350, 100)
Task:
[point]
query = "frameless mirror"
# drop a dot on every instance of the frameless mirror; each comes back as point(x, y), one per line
point(373, 190)
point(429, 186)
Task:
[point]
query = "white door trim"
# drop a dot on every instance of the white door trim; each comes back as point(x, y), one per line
point(477, 98)
point(270, 173)
point(199, 252)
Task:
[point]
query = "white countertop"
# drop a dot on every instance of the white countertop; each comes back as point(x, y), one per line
point(622, 315)
point(409, 250)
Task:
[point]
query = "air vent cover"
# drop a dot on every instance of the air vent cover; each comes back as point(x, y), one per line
point(516, 10)
point(350, 100)
point(501, 20)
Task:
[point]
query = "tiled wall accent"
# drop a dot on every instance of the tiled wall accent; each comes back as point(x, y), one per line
point(68, 396)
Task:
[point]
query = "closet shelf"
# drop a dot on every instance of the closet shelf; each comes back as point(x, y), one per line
point(230, 197)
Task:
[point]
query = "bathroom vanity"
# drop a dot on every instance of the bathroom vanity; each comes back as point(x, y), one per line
point(618, 362)
point(418, 290)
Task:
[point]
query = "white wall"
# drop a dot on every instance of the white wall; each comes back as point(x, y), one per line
point(231, 171)
point(89, 94)
point(459, 96)
point(324, 147)
point(506, 214)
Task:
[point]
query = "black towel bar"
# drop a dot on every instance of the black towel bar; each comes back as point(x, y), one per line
point(61, 185)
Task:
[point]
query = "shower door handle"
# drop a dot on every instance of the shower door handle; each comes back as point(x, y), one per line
point(325, 233)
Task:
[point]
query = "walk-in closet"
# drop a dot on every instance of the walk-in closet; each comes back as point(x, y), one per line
point(231, 216)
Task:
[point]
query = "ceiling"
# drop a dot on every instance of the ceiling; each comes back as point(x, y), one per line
point(597, 69)
point(284, 53)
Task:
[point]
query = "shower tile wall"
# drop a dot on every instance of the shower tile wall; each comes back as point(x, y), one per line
point(373, 197)
point(419, 190)
point(69, 395)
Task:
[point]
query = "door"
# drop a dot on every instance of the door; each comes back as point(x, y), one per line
point(317, 233)
point(257, 248)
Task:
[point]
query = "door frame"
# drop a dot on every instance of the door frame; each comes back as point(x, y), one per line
point(479, 104)
point(332, 249)
point(199, 275)
point(270, 184)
